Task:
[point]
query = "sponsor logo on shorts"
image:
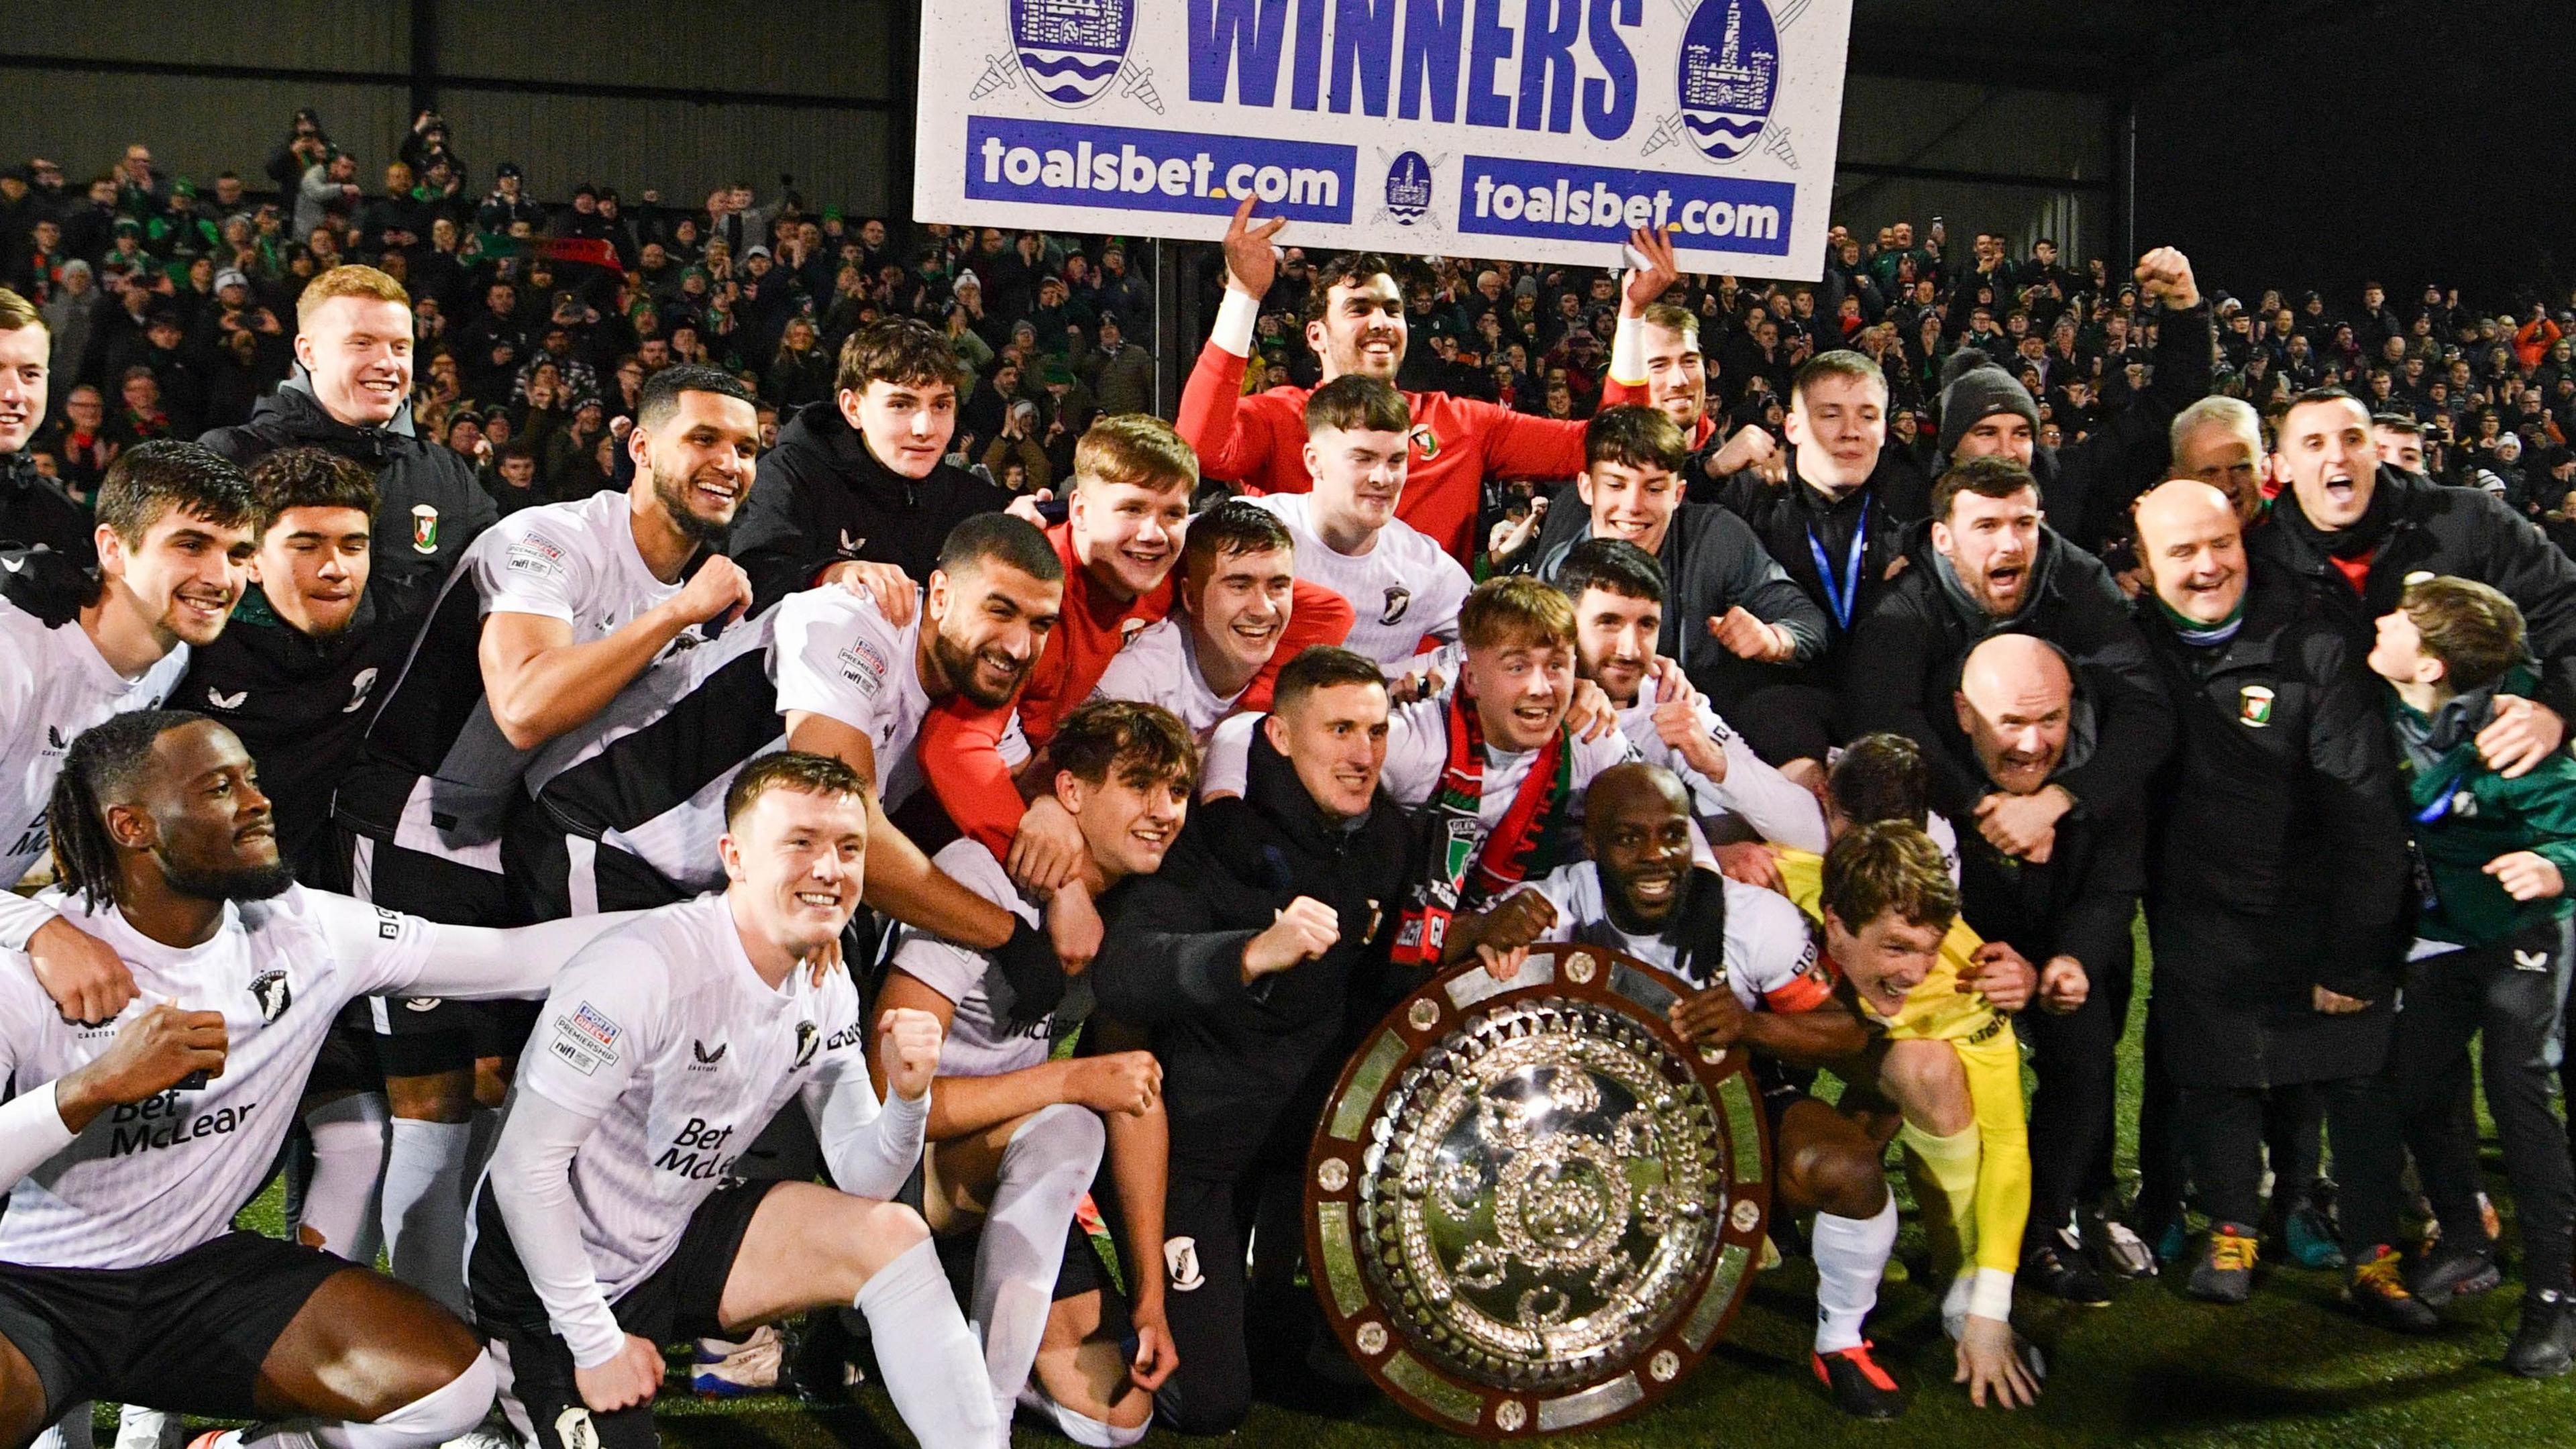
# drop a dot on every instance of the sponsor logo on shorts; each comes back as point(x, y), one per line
point(574, 1430)
point(1181, 1262)
point(421, 1003)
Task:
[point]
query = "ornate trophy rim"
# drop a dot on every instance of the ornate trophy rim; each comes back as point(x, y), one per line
point(1338, 1165)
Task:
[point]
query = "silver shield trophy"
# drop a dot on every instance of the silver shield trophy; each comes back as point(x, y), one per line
point(1531, 1206)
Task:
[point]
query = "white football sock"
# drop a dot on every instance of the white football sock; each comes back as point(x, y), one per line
point(1082, 1429)
point(348, 1161)
point(141, 1428)
point(425, 1208)
point(1851, 1253)
point(1045, 1171)
point(933, 1369)
point(434, 1418)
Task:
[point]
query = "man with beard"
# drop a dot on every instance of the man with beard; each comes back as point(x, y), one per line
point(174, 544)
point(1132, 480)
point(1017, 1132)
point(351, 393)
point(1757, 983)
point(1986, 412)
point(292, 677)
point(863, 477)
point(2276, 966)
point(1989, 566)
point(2023, 725)
point(1355, 322)
point(2364, 528)
point(1235, 597)
point(1618, 593)
point(627, 808)
point(34, 509)
point(541, 625)
point(131, 1148)
point(1241, 959)
point(1755, 626)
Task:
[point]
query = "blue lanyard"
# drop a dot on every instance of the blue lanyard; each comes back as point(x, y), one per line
point(1842, 601)
point(2441, 805)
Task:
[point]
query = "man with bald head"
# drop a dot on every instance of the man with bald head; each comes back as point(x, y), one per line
point(2277, 963)
point(2026, 721)
point(2357, 524)
point(1990, 564)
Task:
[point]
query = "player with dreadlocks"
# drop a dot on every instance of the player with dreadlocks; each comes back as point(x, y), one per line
point(130, 1145)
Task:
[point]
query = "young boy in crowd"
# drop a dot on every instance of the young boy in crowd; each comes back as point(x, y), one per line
point(2492, 952)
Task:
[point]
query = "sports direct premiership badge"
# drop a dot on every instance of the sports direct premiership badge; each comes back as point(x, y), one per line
point(2254, 706)
point(424, 528)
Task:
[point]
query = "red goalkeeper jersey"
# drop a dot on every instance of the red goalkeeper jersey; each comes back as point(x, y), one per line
point(1259, 444)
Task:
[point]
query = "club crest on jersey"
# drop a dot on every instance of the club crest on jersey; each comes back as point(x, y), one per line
point(359, 684)
point(1398, 599)
point(1071, 49)
point(273, 993)
point(2254, 706)
point(574, 1430)
point(1424, 440)
point(808, 1037)
point(424, 528)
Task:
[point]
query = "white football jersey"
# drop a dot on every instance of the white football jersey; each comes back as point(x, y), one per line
point(576, 562)
point(1769, 953)
point(836, 655)
point(149, 1180)
point(53, 685)
point(1161, 666)
point(1404, 590)
point(983, 1040)
point(663, 1032)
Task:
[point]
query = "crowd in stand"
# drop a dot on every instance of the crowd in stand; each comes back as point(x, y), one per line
point(540, 317)
point(1869, 654)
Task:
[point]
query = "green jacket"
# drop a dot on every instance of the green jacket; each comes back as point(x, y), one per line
point(2466, 815)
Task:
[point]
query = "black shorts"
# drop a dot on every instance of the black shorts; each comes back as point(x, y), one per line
point(348, 1062)
point(681, 1300)
point(187, 1335)
point(556, 876)
point(419, 1036)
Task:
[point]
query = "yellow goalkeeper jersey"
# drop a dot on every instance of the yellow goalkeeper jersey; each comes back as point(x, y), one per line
point(1938, 1010)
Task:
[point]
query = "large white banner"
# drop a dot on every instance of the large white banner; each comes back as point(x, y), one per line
point(1537, 129)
